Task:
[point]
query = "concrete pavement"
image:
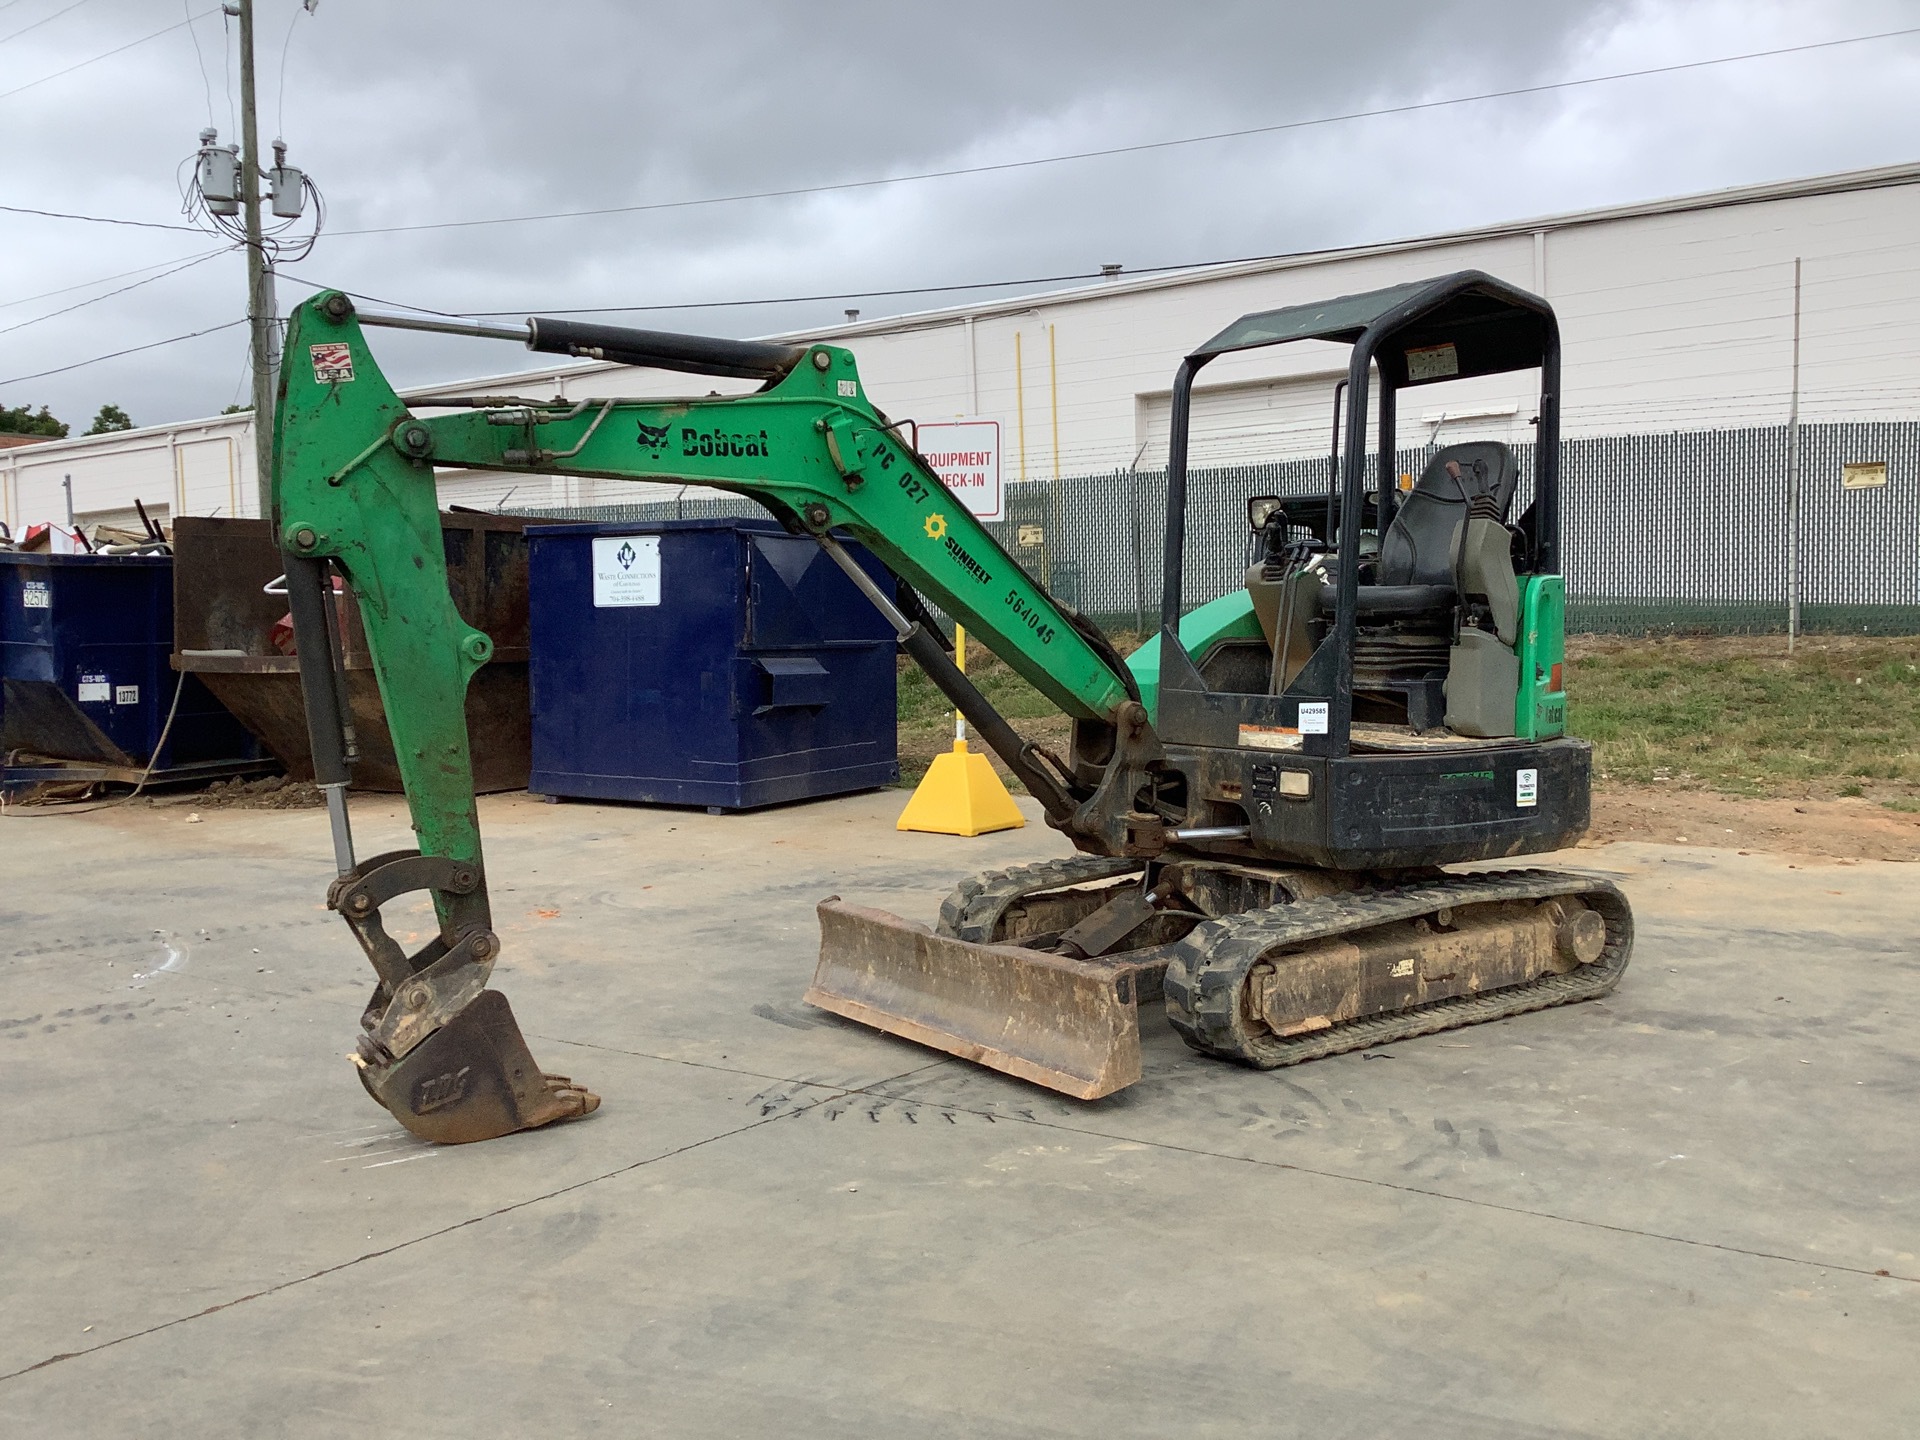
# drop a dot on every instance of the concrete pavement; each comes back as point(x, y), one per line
point(1660, 1214)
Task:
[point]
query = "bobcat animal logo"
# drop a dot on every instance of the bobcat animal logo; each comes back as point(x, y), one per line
point(653, 437)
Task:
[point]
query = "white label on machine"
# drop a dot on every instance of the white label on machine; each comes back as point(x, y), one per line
point(965, 454)
point(34, 595)
point(1313, 717)
point(626, 571)
point(1432, 362)
point(126, 694)
point(849, 389)
point(1526, 788)
point(95, 690)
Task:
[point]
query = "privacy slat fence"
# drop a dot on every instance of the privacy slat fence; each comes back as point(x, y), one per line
point(1678, 532)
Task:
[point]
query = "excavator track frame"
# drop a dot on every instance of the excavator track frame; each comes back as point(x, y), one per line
point(1207, 972)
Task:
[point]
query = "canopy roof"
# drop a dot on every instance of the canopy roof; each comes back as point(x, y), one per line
point(1447, 328)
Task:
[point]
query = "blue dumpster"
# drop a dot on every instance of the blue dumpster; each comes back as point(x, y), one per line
point(722, 663)
point(86, 681)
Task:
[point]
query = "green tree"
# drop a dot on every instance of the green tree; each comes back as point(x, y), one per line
point(238, 410)
point(18, 420)
point(110, 419)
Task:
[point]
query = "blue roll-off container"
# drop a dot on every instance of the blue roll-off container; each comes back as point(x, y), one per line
point(719, 662)
point(85, 673)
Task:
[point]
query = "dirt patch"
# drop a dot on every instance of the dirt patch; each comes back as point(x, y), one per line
point(274, 792)
point(1834, 829)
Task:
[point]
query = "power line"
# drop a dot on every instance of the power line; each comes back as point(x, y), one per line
point(1560, 296)
point(98, 219)
point(48, 20)
point(100, 280)
point(280, 91)
point(115, 355)
point(95, 300)
point(767, 300)
point(968, 170)
point(108, 55)
point(206, 84)
point(1320, 120)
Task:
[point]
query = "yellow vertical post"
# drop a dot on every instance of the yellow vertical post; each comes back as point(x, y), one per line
point(1020, 403)
point(1053, 387)
point(960, 660)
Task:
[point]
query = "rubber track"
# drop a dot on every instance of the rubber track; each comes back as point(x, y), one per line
point(974, 908)
point(1208, 968)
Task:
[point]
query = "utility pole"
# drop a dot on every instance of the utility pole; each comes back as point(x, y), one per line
point(262, 309)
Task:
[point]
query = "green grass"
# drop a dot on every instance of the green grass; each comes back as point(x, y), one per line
point(1840, 717)
point(1734, 714)
point(926, 716)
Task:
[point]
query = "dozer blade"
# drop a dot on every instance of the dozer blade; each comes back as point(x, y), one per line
point(1070, 1025)
point(474, 1079)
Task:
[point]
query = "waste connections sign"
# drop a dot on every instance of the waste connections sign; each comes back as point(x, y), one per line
point(965, 454)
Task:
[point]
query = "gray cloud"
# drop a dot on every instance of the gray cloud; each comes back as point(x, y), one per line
point(436, 111)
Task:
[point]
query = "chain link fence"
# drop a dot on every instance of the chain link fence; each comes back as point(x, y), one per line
point(1684, 532)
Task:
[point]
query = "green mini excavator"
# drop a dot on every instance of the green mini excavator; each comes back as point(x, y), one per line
point(1262, 798)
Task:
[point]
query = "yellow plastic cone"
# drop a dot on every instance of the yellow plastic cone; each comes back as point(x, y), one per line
point(961, 795)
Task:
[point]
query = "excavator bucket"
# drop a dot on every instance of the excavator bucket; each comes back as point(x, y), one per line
point(1070, 1025)
point(474, 1079)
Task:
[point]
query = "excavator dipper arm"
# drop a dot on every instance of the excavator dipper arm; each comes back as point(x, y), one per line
point(354, 491)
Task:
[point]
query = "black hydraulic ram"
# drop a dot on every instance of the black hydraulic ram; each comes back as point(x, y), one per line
point(655, 349)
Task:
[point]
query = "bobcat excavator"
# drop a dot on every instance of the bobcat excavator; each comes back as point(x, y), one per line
point(1262, 799)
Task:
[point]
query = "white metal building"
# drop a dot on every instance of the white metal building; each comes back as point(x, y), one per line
point(1675, 315)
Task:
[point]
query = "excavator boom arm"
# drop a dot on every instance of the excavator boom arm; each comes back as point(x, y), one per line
point(353, 488)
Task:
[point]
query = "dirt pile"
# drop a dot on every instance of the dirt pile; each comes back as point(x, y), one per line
point(273, 792)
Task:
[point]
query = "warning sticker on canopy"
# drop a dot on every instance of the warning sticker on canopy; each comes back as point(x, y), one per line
point(332, 363)
point(1432, 362)
point(965, 454)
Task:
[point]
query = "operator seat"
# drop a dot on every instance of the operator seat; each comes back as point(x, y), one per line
point(1446, 553)
point(1415, 572)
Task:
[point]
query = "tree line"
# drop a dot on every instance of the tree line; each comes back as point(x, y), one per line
point(25, 420)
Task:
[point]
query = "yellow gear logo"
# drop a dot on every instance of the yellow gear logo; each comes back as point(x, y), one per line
point(936, 526)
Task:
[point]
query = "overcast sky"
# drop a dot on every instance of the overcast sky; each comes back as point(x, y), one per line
point(446, 110)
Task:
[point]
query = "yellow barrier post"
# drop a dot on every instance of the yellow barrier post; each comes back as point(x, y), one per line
point(960, 793)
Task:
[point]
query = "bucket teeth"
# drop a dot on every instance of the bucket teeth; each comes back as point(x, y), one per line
point(475, 1079)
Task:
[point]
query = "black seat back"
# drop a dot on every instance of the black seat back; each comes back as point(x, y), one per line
point(1418, 547)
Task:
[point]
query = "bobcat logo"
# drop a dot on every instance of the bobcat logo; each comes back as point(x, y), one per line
point(653, 437)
